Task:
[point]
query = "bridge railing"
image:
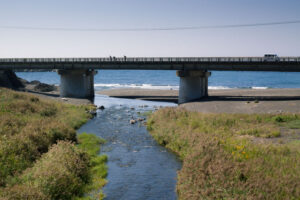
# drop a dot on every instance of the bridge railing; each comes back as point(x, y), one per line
point(146, 59)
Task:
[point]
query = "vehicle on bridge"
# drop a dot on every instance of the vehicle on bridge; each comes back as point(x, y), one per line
point(271, 57)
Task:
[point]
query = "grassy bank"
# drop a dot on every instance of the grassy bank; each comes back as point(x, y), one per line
point(40, 154)
point(232, 156)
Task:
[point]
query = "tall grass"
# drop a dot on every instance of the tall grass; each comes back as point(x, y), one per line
point(221, 158)
point(38, 158)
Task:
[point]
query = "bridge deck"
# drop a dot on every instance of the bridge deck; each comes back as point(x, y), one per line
point(157, 63)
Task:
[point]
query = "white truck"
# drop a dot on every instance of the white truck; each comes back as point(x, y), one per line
point(271, 58)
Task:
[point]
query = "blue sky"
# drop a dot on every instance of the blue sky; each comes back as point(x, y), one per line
point(283, 40)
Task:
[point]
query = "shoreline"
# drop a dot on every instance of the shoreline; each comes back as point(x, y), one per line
point(222, 101)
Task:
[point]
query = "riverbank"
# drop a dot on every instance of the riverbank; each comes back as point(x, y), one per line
point(39, 158)
point(232, 156)
point(223, 101)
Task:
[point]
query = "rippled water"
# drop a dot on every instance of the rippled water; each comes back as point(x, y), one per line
point(158, 79)
point(138, 168)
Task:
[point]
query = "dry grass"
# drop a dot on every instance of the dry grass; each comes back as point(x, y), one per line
point(219, 162)
point(29, 127)
point(61, 173)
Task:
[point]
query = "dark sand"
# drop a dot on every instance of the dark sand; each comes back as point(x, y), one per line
point(224, 101)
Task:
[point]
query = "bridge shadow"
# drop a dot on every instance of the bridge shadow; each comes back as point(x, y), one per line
point(248, 98)
point(174, 99)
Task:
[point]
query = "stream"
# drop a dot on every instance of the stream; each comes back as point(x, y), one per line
point(138, 168)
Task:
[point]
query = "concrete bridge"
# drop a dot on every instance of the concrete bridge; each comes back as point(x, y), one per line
point(77, 74)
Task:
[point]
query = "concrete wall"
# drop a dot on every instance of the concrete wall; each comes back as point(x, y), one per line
point(193, 85)
point(77, 83)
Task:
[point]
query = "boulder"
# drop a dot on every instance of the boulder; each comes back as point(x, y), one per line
point(9, 79)
point(42, 87)
point(35, 82)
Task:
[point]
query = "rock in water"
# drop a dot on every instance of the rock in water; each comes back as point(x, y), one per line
point(132, 121)
point(101, 107)
point(9, 79)
point(141, 119)
point(93, 112)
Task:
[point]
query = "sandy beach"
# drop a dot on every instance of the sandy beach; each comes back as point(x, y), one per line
point(223, 101)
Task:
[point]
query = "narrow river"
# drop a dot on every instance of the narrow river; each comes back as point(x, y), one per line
point(138, 168)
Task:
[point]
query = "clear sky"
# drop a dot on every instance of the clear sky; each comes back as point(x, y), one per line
point(283, 40)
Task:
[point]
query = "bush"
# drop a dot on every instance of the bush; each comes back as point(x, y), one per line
point(25, 136)
point(16, 154)
point(61, 173)
point(49, 112)
point(21, 192)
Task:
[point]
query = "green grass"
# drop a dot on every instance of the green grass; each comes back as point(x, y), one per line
point(91, 144)
point(146, 113)
point(230, 156)
point(30, 128)
point(295, 124)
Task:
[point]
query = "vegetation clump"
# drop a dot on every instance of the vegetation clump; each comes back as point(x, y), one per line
point(230, 156)
point(40, 155)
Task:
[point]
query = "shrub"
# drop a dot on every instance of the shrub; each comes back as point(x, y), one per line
point(49, 112)
point(22, 192)
point(61, 173)
point(62, 133)
point(34, 99)
point(16, 154)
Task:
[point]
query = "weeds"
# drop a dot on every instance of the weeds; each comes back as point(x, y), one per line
point(219, 159)
point(98, 171)
point(29, 127)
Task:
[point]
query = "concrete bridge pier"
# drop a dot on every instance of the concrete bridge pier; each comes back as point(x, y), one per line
point(193, 85)
point(78, 83)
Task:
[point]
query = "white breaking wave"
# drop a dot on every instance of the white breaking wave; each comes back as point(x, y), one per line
point(219, 88)
point(163, 87)
point(259, 88)
point(142, 86)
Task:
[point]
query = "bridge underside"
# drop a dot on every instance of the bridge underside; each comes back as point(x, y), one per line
point(77, 83)
point(80, 84)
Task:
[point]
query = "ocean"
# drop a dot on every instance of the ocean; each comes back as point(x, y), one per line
point(154, 79)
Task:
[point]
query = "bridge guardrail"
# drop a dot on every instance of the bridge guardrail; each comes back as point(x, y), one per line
point(146, 59)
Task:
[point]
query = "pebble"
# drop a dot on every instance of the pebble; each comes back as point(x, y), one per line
point(141, 119)
point(132, 121)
